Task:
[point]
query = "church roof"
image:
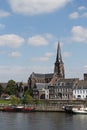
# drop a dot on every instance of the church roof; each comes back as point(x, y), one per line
point(40, 75)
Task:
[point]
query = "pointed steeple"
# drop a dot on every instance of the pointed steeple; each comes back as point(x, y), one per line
point(59, 57)
point(59, 66)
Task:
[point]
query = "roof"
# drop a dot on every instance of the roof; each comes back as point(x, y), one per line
point(82, 84)
point(40, 86)
point(39, 75)
point(4, 85)
point(65, 83)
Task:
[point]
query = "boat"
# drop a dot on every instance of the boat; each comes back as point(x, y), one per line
point(76, 109)
point(17, 109)
point(7, 109)
point(79, 110)
point(68, 108)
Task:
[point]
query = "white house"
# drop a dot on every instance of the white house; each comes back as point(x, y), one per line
point(80, 90)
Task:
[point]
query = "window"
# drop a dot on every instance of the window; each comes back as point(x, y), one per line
point(75, 91)
point(80, 91)
point(83, 91)
point(79, 96)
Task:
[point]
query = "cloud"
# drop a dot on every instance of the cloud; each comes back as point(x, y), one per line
point(34, 7)
point(38, 40)
point(67, 54)
point(17, 73)
point(46, 57)
point(49, 54)
point(81, 8)
point(74, 15)
point(11, 40)
point(85, 66)
point(79, 34)
point(2, 26)
point(4, 14)
point(80, 13)
point(15, 54)
point(48, 36)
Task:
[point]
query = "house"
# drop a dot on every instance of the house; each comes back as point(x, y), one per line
point(5, 96)
point(80, 90)
point(41, 91)
point(63, 89)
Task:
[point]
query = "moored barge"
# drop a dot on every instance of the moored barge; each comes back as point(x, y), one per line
point(17, 109)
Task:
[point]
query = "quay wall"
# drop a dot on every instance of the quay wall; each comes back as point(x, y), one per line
point(58, 105)
point(54, 105)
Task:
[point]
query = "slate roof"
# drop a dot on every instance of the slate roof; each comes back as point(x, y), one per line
point(64, 83)
point(40, 86)
point(4, 85)
point(81, 84)
point(39, 75)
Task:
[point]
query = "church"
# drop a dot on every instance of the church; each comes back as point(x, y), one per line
point(50, 77)
point(55, 85)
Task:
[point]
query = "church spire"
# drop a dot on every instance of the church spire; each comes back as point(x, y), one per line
point(59, 57)
point(59, 66)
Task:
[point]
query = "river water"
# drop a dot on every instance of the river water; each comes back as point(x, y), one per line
point(42, 121)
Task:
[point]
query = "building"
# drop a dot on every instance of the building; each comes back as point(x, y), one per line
point(39, 78)
point(46, 78)
point(59, 65)
point(80, 90)
point(41, 91)
point(55, 85)
point(63, 89)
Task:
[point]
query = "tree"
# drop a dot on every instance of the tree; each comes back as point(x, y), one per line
point(1, 89)
point(27, 99)
point(29, 92)
point(15, 100)
point(11, 87)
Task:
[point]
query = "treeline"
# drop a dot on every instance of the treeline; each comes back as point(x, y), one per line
point(17, 93)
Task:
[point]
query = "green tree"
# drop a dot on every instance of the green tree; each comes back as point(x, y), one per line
point(27, 99)
point(1, 89)
point(15, 100)
point(11, 87)
point(29, 92)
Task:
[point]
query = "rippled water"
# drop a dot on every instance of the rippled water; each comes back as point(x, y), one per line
point(42, 121)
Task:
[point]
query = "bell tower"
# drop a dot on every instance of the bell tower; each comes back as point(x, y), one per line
point(59, 65)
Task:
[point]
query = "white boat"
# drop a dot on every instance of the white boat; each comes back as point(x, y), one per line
point(79, 110)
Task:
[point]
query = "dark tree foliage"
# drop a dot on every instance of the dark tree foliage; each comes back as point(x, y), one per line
point(1, 89)
point(30, 91)
point(11, 87)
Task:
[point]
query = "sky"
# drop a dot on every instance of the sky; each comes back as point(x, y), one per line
point(29, 34)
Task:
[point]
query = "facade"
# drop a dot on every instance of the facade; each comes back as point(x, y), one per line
point(39, 78)
point(63, 90)
point(80, 90)
point(41, 91)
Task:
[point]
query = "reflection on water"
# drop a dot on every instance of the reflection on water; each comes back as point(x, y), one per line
point(42, 121)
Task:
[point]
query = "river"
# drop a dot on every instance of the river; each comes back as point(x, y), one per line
point(42, 121)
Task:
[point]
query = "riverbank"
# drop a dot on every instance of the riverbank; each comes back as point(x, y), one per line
point(50, 105)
